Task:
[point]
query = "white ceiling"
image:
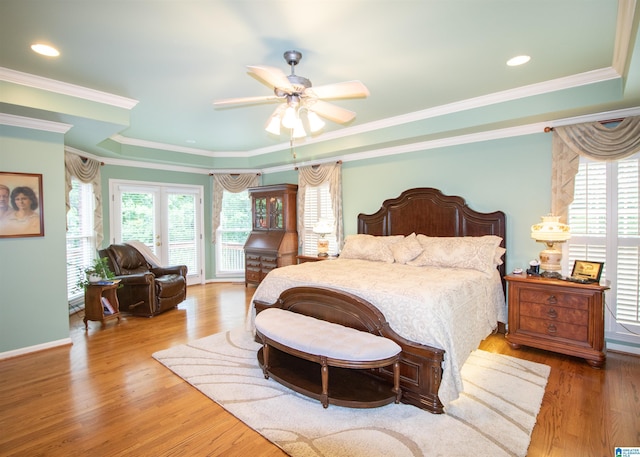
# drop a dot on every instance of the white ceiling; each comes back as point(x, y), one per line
point(436, 69)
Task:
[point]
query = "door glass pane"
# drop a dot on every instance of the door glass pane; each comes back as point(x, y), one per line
point(138, 217)
point(182, 230)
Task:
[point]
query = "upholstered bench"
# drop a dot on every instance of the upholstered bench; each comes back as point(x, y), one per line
point(330, 345)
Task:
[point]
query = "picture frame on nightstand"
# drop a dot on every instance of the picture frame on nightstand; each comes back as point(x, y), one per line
point(587, 270)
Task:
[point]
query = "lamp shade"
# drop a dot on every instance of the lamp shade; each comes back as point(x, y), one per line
point(323, 227)
point(550, 230)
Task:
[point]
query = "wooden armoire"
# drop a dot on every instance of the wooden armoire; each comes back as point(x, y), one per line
point(273, 241)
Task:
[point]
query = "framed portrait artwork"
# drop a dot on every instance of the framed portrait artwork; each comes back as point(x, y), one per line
point(21, 210)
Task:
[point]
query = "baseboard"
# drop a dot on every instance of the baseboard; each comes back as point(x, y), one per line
point(35, 348)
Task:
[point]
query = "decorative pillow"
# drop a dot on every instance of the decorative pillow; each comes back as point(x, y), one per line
point(471, 252)
point(367, 247)
point(406, 249)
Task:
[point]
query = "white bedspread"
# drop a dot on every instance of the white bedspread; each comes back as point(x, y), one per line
point(448, 308)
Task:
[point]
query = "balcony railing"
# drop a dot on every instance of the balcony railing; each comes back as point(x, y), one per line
point(231, 258)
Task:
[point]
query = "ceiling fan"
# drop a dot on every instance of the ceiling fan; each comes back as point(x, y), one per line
point(298, 96)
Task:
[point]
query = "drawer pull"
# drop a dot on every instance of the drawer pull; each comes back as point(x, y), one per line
point(552, 329)
point(552, 300)
point(552, 313)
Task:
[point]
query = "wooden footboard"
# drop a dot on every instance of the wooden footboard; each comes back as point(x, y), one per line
point(420, 365)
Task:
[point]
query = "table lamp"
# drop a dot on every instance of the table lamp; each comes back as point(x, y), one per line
point(551, 232)
point(323, 228)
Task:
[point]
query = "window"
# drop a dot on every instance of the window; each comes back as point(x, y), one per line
point(317, 205)
point(605, 226)
point(235, 226)
point(81, 243)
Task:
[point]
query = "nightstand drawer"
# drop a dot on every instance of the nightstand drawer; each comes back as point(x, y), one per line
point(554, 329)
point(554, 313)
point(547, 297)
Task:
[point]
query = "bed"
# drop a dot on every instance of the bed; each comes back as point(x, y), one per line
point(438, 295)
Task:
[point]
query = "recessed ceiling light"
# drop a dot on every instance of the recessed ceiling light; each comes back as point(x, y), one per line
point(518, 60)
point(45, 50)
point(191, 141)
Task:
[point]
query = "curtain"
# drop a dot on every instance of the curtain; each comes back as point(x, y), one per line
point(592, 140)
point(87, 171)
point(314, 176)
point(231, 183)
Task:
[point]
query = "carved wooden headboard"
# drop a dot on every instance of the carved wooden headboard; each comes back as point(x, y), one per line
point(428, 211)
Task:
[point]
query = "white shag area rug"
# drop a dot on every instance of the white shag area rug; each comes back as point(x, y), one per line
point(494, 417)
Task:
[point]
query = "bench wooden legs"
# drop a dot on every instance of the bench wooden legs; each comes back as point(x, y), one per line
point(396, 381)
point(265, 355)
point(324, 370)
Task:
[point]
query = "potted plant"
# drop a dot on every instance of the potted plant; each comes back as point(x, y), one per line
point(98, 271)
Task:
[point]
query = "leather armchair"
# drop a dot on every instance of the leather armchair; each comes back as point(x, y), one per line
point(146, 289)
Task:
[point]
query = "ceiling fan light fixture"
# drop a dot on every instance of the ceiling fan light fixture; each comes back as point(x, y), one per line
point(298, 129)
point(315, 123)
point(290, 117)
point(273, 125)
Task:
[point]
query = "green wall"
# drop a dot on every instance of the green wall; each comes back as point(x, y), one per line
point(33, 307)
point(512, 175)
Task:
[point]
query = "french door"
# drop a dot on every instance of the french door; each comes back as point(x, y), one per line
point(166, 218)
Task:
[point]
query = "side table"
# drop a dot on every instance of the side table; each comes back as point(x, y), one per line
point(93, 306)
point(311, 258)
point(559, 316)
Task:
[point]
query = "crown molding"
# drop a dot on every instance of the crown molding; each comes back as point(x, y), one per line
point(59, 87)
point(489, 135)
point(34, 124)
point(554, 85)
point(624, 29)
point(135, 163)
point(173, 148)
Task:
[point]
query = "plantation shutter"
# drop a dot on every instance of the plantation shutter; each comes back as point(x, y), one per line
point(317, 203)
point(628, 253)
point(605, 219)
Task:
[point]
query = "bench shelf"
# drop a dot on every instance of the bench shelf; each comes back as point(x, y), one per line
point(347, 387)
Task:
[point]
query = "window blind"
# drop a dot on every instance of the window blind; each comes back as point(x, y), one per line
point(605, 225)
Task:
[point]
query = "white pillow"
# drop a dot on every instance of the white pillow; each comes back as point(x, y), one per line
point(406, 249)
point(471, 252)
point(367, 247)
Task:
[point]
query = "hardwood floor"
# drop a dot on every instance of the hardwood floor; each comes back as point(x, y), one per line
point(106, 395)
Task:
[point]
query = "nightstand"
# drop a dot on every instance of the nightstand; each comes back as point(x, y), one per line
point(311, 258)
point(557, 315)
point(94, 309)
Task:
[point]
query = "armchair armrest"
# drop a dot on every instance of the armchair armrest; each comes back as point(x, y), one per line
point(170, 270)
point(136, 279)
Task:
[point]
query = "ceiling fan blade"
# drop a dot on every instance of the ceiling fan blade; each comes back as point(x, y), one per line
point(273, 76)
point(244, 100)
point(332, 112)
point(348, 89)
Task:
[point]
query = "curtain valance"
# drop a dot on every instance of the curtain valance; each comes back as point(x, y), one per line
point(231, 183)
point(593, 140)
point(87, 171)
